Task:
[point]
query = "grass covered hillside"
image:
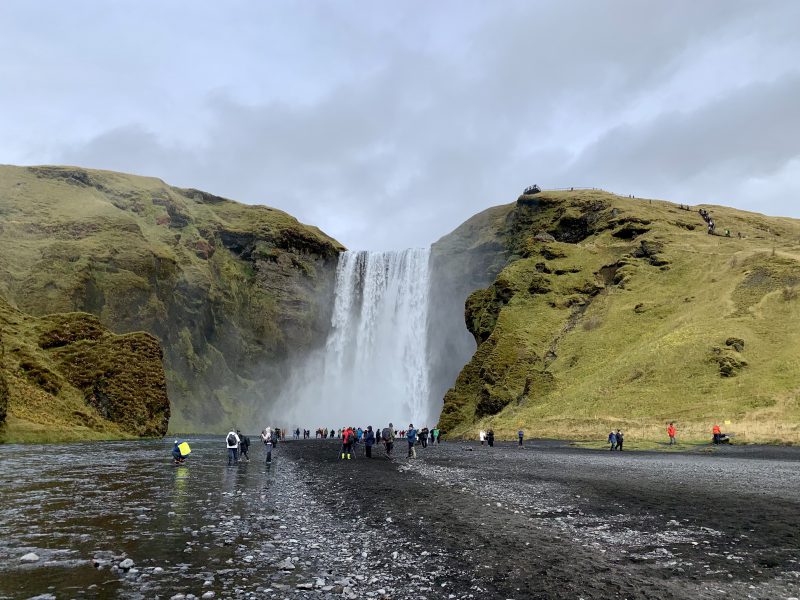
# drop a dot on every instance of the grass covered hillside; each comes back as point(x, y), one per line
point(66, 377)
point(625, 313)
point(230, 290)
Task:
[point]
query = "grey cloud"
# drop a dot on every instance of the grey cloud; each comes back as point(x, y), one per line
point(387, 125)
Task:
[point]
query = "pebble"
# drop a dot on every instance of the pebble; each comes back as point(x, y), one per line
point(29, 557)
point(208, 595)
point(126, 564)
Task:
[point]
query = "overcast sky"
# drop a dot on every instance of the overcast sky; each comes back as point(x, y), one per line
point(389, 123)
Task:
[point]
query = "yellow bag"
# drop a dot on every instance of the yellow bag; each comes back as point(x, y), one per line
point(184, 449)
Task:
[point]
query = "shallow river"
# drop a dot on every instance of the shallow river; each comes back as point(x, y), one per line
point(72, 503)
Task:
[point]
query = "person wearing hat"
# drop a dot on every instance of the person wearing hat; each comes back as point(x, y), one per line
point(411, 436)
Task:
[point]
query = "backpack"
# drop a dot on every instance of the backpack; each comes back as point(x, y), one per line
point(231, 439)
point(386, 434)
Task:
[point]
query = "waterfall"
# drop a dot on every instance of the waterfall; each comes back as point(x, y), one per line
point(374, 366)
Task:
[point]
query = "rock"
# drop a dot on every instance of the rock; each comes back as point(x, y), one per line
point(208, 595)
point(29, 557)
point(178, 597)
point(305, 586)
point(285, 565)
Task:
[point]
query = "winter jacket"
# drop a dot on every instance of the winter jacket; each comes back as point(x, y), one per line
point(671, 431)
point(411, 436)
point(370, 439)
point(236, 440)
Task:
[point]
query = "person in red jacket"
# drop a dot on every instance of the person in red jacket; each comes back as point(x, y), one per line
point(671, 434)
point(717, 433)
point(347, 443)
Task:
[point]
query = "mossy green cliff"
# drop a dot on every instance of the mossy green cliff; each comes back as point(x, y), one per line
point(66, 376)
point(620, 312)
point(232, 291)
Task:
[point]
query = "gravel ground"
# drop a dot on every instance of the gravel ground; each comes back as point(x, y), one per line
point(460, 521)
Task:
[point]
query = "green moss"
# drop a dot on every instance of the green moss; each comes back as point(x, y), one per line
point(624, 320)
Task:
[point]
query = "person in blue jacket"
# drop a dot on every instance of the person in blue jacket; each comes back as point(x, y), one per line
point(176, 453)
point(369, 440)
point(411, 436)
point(612, 439)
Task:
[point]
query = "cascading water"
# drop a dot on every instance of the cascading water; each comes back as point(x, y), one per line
point(374, 367)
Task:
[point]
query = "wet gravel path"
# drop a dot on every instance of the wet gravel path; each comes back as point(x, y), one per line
point(460, 521)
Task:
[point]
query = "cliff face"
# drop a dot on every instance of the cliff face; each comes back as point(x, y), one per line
point(65, 376)
point(232, 291)
point(617, 312)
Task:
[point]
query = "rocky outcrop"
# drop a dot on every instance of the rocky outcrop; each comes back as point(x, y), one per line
point(233, 292)
point(65, 376)
point(604, 309)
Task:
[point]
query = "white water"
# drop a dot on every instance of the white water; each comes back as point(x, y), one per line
point(374, 367)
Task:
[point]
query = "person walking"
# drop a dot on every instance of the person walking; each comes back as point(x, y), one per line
point(244, 445)
point(482, 436)
point(520, 435)
point(388, 439)
point(620, 439)
point(267, 440)
point(435, 435)
point(369, 440)
point(232, 443)
point(423, 437)
point(490, 438)
point(671, 433)
point(411, 436)
point(612, 439)
point(717, 433)
point(347, 443)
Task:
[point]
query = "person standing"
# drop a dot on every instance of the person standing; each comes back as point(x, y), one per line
point(671, 433)
point(435, 433)
point(620, 439)
point(411, 436)
point(490, 438)
point(369, 441)
point(244, 445)
point(423, 437)
point(520, 435)
point(266, 439)
point(612, 439)
point(717, 432)
point(347, 443)
point(232, 443)
point(388, 439)
point(482, 436)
